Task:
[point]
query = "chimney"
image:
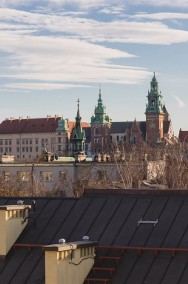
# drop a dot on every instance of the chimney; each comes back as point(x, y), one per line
point(66, 262)
point(13, 219)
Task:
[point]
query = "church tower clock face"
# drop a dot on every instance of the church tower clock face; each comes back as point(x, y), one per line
point(152, 124)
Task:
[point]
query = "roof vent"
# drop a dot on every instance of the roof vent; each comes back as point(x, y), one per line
point(20, 202)
point(85, 238)
point(155, 222)
point(62, 241)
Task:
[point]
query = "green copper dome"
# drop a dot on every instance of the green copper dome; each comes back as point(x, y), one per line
point(100, 116)
point(155, 104)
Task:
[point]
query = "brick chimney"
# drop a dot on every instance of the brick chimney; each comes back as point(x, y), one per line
point(68, 262)
point(13, 219)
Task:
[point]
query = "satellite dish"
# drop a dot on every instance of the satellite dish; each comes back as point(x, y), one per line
point(85, 238)
point(20, 202)
point(61, 241)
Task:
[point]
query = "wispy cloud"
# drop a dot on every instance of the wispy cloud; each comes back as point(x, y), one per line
point(97, 31)
point(181, 104)
point(161, 3)
point(69, 56)
point(41, 86)
point(65, 48)
point(161, 16)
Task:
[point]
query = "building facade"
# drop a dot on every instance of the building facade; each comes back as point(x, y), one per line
point(28, 138)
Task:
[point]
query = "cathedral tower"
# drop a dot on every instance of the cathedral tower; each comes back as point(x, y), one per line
point(155, 114)
point(100, 128)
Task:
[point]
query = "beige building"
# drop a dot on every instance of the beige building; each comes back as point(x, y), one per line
point(27, 138)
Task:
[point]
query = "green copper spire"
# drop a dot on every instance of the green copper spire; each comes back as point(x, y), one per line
point(78, 135)
point(100, 116)
point(78, 117)
point(155, 104)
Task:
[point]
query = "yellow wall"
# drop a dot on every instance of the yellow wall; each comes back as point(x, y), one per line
point(11, 218)
point(59, 269)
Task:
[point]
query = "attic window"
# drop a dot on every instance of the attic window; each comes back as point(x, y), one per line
point(6, 176)
point(23, 176)
point(141, 221)
point(47, 176)
point(63, 176)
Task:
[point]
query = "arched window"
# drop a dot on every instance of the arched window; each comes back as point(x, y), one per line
point(96, 131)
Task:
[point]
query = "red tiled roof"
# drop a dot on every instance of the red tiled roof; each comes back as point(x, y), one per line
point(71, 125)
point(33, 125)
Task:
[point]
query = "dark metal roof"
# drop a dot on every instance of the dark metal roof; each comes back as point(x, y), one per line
point(111, 218)
point(87, 134)
point(121, 126)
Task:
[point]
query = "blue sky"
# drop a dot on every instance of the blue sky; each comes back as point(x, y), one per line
point(53, 52)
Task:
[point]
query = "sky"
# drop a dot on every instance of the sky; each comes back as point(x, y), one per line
point(53, 52)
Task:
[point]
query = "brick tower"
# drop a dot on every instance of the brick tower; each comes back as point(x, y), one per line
point(100, 128)
point(155, 114)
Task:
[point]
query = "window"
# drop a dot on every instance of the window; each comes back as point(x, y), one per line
point(30, 141)
point(18, 149)
point(31, 149)
point(59, 140)
point(63, 176)
point(26, 149)
point(26, 141)
point(6, 142)
point(1, 149)
point(1, 141)
point(96, 140)
point(96, 131)
point(37, 149)
point(17, 141)
point(59, 147)
point(6, 176)
point(47, 176)
point(44, 142)
point(10, 142)
point(102, 175)
point(23, 176)
point(36, 141)
point(23, 141)
point(23, 149)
